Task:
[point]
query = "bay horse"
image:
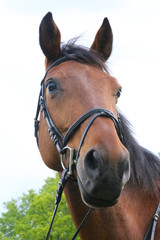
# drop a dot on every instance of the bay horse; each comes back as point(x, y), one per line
point(113, 174)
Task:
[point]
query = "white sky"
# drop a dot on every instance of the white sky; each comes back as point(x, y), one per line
point(134, 62)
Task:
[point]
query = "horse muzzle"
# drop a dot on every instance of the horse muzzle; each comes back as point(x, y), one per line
point(100, 181)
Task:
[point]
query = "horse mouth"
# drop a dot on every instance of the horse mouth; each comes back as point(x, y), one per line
point(95, 202)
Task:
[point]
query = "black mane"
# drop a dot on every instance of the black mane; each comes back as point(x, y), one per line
point(145, 166)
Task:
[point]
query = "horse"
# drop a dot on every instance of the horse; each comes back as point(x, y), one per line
point(78, 112)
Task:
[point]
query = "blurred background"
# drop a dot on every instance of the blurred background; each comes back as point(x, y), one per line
point(134, 62)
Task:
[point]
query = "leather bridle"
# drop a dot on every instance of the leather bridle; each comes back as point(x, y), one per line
point(61, 141)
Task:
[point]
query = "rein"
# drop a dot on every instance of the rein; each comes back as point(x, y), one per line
point(152, 227)
point(62, 147)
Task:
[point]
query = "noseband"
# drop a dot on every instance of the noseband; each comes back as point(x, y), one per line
point(56, 136)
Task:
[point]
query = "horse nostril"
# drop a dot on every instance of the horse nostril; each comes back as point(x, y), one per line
point(97, 166)
point(123, 168)
point(91, 160)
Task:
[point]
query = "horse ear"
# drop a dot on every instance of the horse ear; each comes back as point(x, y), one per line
point(49, 38)
point(103, 40)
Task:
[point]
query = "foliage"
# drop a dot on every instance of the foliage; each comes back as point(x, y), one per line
point(29, 216)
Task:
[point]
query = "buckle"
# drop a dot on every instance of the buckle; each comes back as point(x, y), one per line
point(71, 159)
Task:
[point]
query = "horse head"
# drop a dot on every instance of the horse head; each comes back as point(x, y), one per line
point(73, 88)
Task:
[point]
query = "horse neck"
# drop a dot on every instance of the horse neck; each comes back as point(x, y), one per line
point(134, 210)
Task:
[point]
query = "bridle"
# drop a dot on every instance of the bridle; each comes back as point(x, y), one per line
point(61, 141)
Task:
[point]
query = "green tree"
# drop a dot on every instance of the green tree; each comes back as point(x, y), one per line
point(29, 216)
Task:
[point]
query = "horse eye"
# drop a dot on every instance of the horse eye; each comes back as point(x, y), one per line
point(118, 94)
point(51, 87)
